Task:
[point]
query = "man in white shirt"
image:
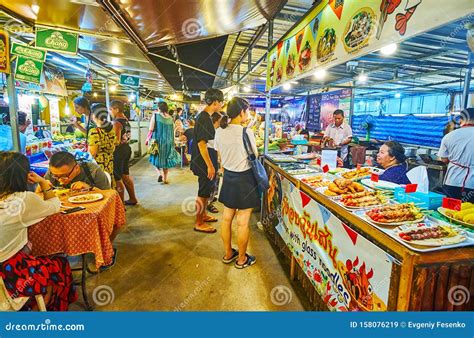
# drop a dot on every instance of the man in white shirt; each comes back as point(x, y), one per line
point(339, 133)
point(456, 151)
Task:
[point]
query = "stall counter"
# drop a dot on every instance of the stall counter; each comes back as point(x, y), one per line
point(402, 279)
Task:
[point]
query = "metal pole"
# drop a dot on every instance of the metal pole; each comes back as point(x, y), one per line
point(107, 97)
point(351, 112)
point(139, 118)
point(268, 95)
point(467, 81)
point(13, 108)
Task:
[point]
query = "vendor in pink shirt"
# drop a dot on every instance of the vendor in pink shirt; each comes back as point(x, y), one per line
point(339, 133)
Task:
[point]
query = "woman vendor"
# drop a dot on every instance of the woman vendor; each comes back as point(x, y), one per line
point(391, 157)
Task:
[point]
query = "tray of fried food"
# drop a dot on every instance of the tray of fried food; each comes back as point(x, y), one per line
point(317, 181)
point(342, 186)
point(395, 214)
point(363, 200)
point(357, 174)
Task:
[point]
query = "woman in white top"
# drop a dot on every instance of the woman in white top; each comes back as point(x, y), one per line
point(23, 274)
point(239, 188)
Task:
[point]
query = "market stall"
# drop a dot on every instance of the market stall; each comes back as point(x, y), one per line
point(354, 243)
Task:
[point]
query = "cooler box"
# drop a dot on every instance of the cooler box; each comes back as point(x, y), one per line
point(430, 200)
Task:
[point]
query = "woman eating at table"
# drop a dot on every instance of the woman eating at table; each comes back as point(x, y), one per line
point(25, 275)
point(391, 157)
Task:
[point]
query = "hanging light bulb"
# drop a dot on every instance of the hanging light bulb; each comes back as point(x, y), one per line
point(389, 49)
point(362, 77)
point(320, 74)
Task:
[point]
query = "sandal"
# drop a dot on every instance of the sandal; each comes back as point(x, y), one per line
point(235, 255)
point(210, 219)
point(160, 179)
point(251, 260)
point(211, 208)
point(206, 231)
point(130, 203)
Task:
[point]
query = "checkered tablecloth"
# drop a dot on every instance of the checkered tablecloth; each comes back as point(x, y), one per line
point(86, 231)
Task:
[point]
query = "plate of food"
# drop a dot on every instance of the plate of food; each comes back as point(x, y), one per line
point(317, 181)
point(341, 186)
point(356, 174)
point(301, 171)
point(363, 200)
point(380, 185)
point(430, 235)
point(465, 216)
point(326, 45)
point(86, 198)
point(395, 214)
point(308, 156)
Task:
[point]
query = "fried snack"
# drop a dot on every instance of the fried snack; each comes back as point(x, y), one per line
point(362, 172)
point(330, 193)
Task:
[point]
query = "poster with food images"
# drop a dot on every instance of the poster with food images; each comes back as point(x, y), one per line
point(290, 60)
point(280, 57)
point(4, 52)
point(349, 272)
point(343, 30)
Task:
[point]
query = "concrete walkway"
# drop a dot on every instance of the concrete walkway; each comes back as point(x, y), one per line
point(163, 265)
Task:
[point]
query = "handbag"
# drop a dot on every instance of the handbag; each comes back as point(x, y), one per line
point(257, 168)
point(153, 148)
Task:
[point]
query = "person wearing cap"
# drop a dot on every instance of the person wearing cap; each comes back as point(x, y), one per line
point(456, 151)
point(339, 133)
point(204, 163)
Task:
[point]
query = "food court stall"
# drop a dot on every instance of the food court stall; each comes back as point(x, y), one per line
point(354, 242)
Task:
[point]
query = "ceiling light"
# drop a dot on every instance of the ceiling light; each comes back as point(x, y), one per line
point(113, 88)
point(320, 74)
point(398, 95)
point(389, 49)
point(247, 89)
point(35, 9)
point(95, 94)
point(362, 78)
point(294, 82)
point(287, 86)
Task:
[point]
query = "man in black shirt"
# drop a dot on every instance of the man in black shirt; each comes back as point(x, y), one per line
point(204, 162)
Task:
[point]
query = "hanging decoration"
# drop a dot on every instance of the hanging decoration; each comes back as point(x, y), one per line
point(87, 86)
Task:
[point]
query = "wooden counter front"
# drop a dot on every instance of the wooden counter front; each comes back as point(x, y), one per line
point(421, 282)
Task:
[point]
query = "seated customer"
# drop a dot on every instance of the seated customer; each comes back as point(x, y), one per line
point(392, 158)
point(23, 274)
point(65, 171)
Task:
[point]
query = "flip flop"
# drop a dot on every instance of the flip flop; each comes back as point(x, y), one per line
point(160, 179)
point(235, 255)
point(130, 203)
point(208, 231)
point(212, 208)
point(210, 219)
point(251, 260)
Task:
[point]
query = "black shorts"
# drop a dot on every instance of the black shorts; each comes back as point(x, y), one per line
point(122, 155)
point(206, 186)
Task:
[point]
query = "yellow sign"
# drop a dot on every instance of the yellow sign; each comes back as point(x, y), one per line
point(4, 52)
point(337, 31)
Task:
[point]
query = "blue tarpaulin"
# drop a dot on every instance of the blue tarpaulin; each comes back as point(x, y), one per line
point(423, 131)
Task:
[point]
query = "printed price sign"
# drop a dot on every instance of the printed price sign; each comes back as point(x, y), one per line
point(325, 168)
point(374, 177)
point(451, 203)
point(411, 188)
point(318, 161)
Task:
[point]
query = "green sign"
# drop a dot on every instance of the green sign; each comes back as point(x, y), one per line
point(129, 80)
point(28, 52)
point(56, 40)
point(28, 70)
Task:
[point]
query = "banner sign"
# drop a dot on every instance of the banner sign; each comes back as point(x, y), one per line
point(129, 80)
point(28, 52)
point(56, 40)
point(337, 31)
point(4, 52)
point(349, 272)
point(28, 70)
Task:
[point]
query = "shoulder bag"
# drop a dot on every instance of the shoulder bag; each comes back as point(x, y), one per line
point(257, 168)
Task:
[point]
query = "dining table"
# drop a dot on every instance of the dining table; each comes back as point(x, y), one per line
point(88, 231)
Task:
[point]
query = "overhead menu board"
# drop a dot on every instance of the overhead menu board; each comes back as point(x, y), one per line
point(321, 107)
point(313, 112)
point(340, 30)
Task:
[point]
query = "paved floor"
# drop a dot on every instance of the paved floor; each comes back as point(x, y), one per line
point(163, 265)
